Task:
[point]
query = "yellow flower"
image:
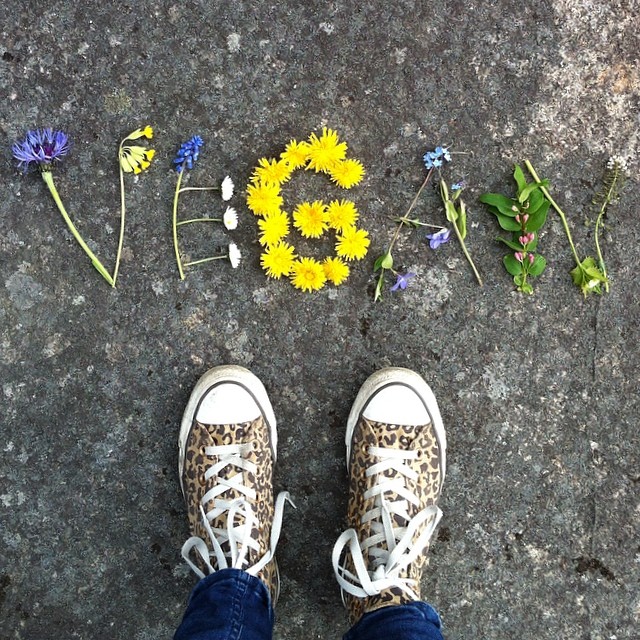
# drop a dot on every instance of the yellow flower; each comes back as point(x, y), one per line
point(307, 274)
point(325, 151)
point(274, 227)
point(296, 154)
point(310, 218)
point(335, 270)
point(341, 214)
point(346, 173)
point(278, 259)
point(147, 132)
point(352, 244)
point(271, 172)
point(134, 158)
point(264, 199)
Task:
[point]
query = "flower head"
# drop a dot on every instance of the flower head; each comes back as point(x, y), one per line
point(402, 280)
point(458, 186)
point(274, 228)
point(295, 154)
point(264, 199)
point(272, 171)
point(326, 150)
point(230, 219)
point(352, 244)
point(346, 173)
point(335, 270)
point(147, 132)
point(310, 218)
point(42, 148)
point(188, 153)
point(278, 260)
point(307, 274)
point(437, 157)
point(234, 255)
point(438, 238)
point(134, 158)
point(341, 214)
point(226, 188)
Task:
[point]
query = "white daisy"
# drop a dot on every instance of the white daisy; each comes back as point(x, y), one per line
point(230, 218)
point(227, 188)
point(234, 255)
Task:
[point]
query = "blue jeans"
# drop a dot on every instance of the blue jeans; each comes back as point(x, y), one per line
point(232, 605)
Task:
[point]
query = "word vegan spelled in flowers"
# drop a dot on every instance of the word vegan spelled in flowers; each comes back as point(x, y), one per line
point(45, 148)
point(322, 154)
point(456, 214)
point(185, 159)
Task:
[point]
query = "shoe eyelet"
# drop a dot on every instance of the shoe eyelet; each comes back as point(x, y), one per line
point(201, 479)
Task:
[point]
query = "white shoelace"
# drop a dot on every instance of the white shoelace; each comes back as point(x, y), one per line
point(238, 537)
point(389, 550)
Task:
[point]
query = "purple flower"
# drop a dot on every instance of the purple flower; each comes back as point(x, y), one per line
point(41, 147)
point(402, 280)
point(438, 238)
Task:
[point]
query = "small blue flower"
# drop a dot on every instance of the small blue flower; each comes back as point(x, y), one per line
point(458, 185)
point(438, 238)
point(435, 158)
point(402, 280)
point(188, 153)
point(41, 147)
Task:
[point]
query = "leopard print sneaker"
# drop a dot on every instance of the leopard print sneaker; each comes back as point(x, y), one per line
point(396, 456)
point(227, 448)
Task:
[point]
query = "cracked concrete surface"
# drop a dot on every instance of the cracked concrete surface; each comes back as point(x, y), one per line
point(538, 394)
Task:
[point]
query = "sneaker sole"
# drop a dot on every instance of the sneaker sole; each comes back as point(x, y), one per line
point(392, 376)
point(219, 375)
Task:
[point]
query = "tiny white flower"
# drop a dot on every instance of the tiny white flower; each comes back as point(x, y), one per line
point(227, 188)
point(234, 255)
point(230, 218)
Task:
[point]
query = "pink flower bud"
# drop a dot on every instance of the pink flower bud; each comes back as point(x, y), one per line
point(525, 217)
point(531, 237)
point(523, 239)
point(518, 218)
point(518, 256)
point(531, 258)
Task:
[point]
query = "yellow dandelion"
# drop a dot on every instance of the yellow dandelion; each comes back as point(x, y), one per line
point(296, 154)
point(278, 260)
point(264, 199)
point(271, 172)
point(307, 274)
point(274, 228)
point(325, 151)
point(335, 270)
point(352, 244)
point(341, 214)
point(310, 218)
point(347, 173)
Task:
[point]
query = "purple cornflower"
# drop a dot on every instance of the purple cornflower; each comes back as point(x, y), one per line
point(41, 147)
point(434, 159)
point(438, 238)
point(188, 153)
point(402, 280)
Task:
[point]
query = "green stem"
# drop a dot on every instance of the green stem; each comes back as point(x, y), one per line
point(175, 222)
point(122, 214)
point(190, 264)
point(179, 224)
point(603, 209)
point(565, 224)
point(466, 252)
point(48, 180)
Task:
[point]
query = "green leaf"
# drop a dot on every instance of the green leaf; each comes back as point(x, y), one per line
point(384, 262)
point(450, 211)
point(507, 223)
point(588, 277)
point(536, 199)
point(519, 177)
point(378, 293)
point(516, 246)
point(538, 266)
point(523, 195)
point(537, 219)
point(518, 280)
point(504, 205)
point(462, 220)
point(525, 287)
point(512, 265)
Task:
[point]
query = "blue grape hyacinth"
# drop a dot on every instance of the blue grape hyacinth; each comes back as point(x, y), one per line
point(188, 153)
